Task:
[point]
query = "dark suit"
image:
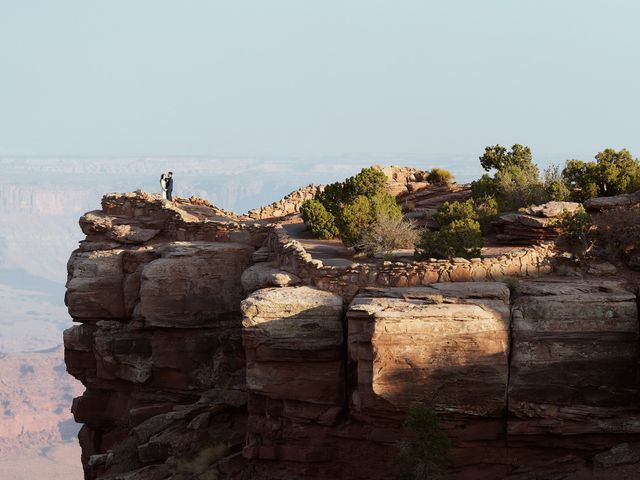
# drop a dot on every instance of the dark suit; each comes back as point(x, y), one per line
point(169, 188)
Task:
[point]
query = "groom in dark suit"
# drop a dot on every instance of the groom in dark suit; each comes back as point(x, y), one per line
point(170, 186)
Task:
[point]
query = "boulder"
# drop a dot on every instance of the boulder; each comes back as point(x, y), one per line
point(263, 275)
point(193, 284)
point(293, 342)
point(95, 285)
point(132, 234)
point(605, 203)
point(552, 209)
point(446, 344)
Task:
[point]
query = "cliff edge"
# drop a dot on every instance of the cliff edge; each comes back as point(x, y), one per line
point(212, 346)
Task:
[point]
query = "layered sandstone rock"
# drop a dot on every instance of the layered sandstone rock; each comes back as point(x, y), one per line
point(293, 338)
point(575, 359)
point(189, 377)
point(288, 205)
point(422, 200)
point(446, 344)
point(193, 283)
point(536, 224)
point(159, 346)
point(605, 203)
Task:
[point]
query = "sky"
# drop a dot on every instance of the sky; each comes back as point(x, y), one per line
point(306, 78)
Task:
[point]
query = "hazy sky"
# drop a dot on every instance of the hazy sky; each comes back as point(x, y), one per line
point(303, 77)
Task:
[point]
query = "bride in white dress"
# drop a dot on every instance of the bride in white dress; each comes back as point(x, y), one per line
point(163, 186)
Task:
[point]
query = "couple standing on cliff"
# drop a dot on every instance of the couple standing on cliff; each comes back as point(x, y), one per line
point(166, 186)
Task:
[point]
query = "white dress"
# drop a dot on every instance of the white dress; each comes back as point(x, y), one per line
point(163, 188)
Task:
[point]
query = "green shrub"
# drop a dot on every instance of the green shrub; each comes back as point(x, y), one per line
point(484, 187)
point(612, 173)
point(518, 187)
point(369, 182)
point(516, 182)
point(439, 175)
point(359, 215)
point(576, 227)
point(555, 186)
point(424, 455)
point(484, 210)
point(460, 238)
point(388, 232)
point(497, 157)
point(318, 219)
point(487, 211)
point(349, 208)
point(354, 219)
point(449, 212)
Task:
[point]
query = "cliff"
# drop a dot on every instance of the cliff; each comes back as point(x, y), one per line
point(213, 347)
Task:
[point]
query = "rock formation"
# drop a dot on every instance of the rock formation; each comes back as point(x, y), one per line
point(208, 354)
point(536, 224)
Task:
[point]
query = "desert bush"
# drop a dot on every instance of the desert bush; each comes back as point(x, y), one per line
point(612, 173)
point(518, 187)
point(576, 227)
point(484, 210)
point(460, 238)
point(318, 219)
point(484, 187)
point(617, 233)
point(498, 158)
point(369, 182)
point(555, 186)
point(439, 175)
point(451, 211)
point(358, 216)
point(516, 182)
point(487, 211)
point(388, 232)
point(349, 208)
point(423, 456)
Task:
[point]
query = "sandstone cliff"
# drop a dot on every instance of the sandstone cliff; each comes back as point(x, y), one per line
point(203, 358)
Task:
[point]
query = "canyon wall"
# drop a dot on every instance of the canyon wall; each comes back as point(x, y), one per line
point(209, 350)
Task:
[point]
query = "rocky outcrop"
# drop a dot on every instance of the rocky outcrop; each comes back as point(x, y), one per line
point(407, 349)
point(575, 360)
point(536, 224)
point(193, 369)
point(422, 200)
point(288, 205)
point(606, 203)
point(159, 342)
point(293, 339)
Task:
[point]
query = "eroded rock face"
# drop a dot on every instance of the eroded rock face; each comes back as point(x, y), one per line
point(187, 375)
point(574, 362)
point(159, 346)
point(446, 344)
point(193, 283)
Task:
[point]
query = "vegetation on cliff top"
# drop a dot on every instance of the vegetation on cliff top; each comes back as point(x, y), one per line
point(365, 216)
